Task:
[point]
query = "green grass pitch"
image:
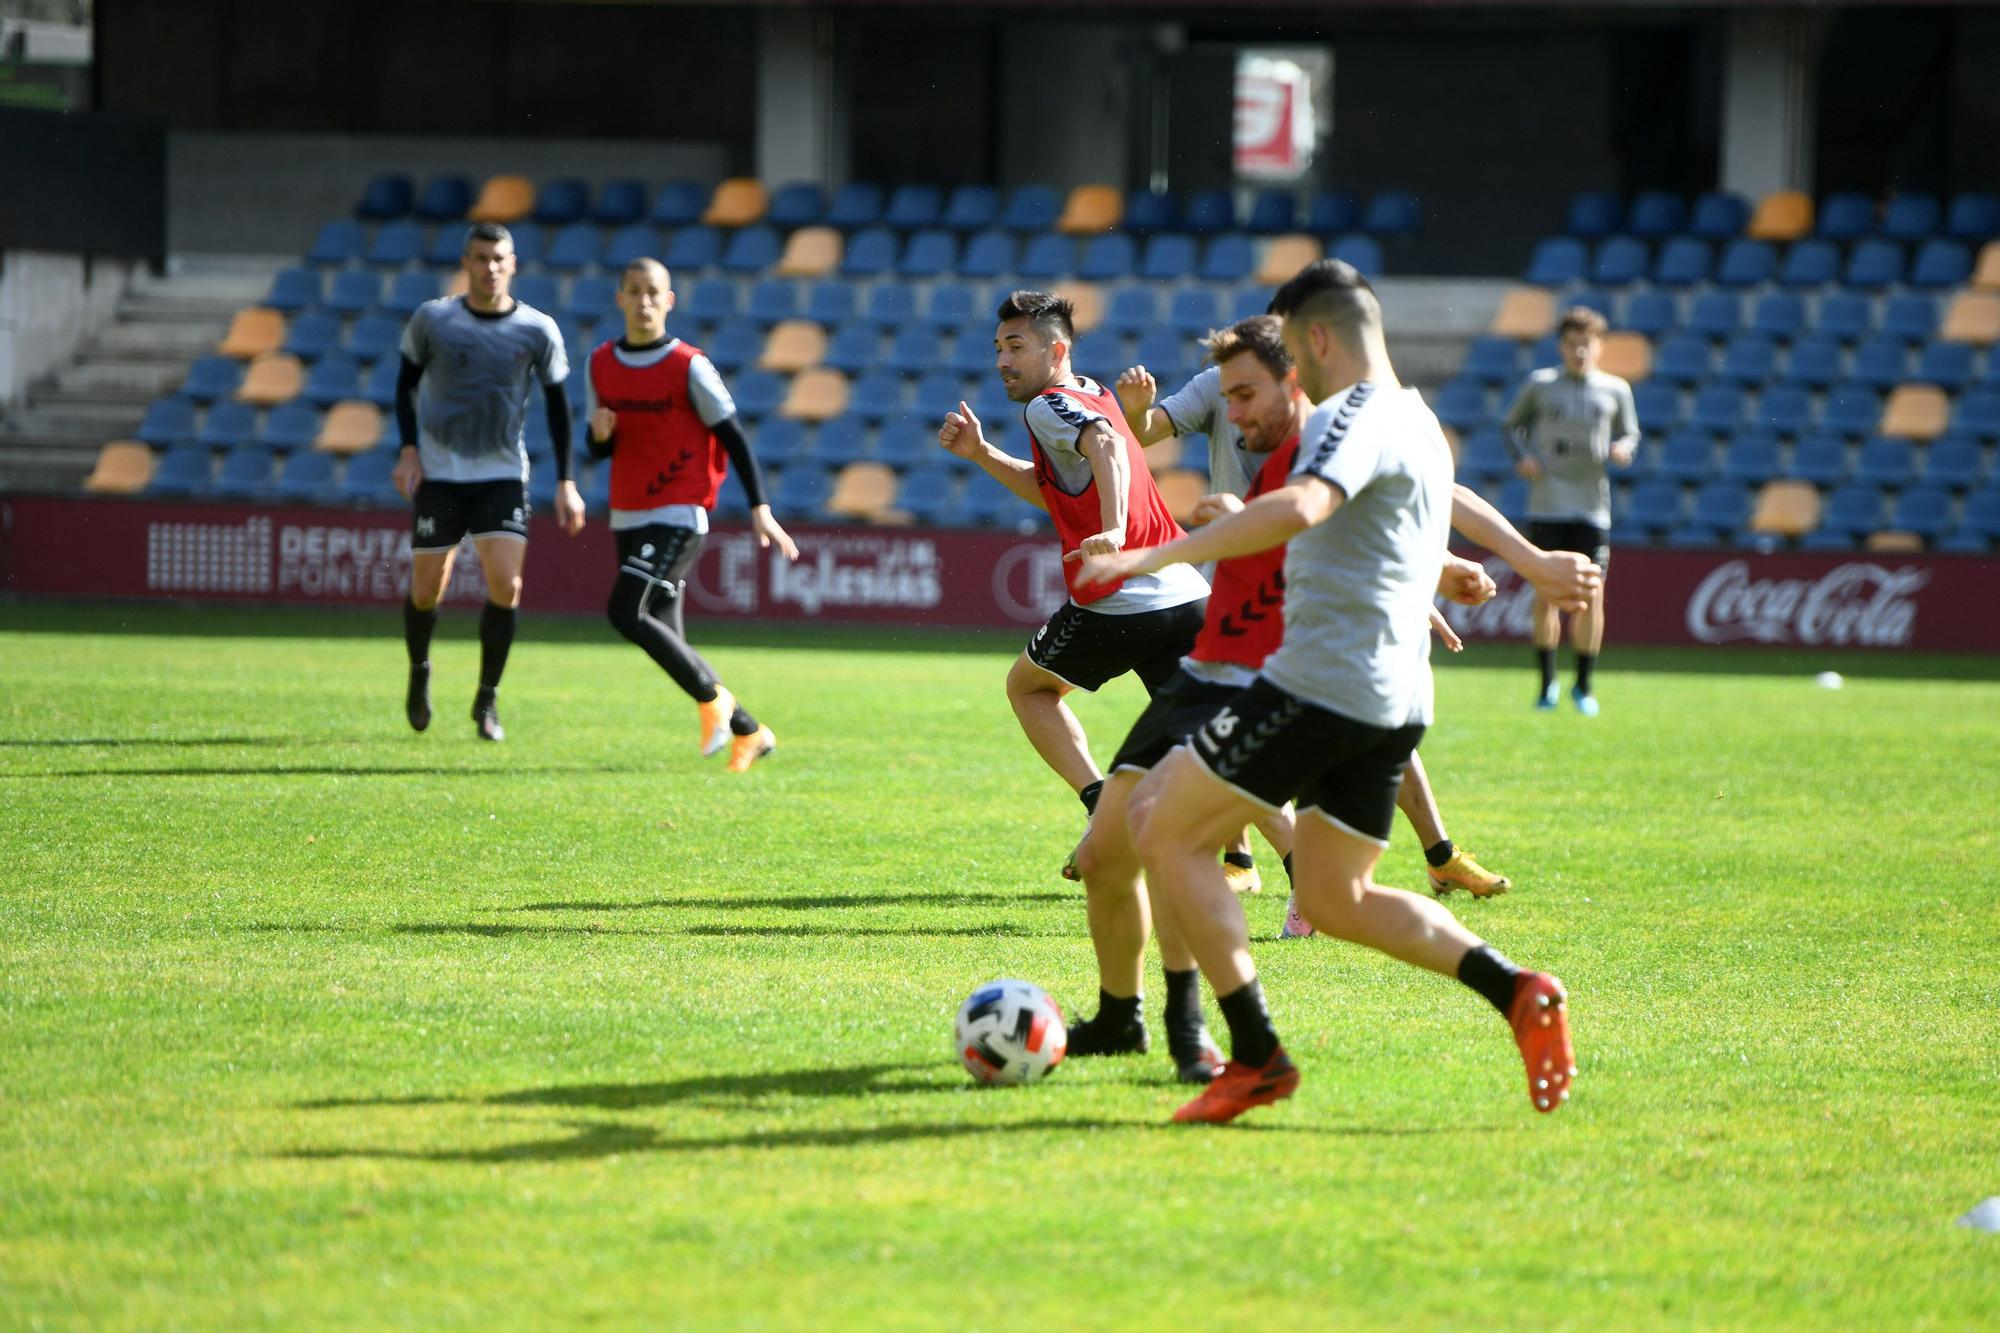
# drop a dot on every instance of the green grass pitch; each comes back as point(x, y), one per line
point(306, 1020)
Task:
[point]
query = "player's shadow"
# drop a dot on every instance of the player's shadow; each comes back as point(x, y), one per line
point(505, 930)
point(846, 1081)
point(323, 770)
point(94, 742)
point(806, 903)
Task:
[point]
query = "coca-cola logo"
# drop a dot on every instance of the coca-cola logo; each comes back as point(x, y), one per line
point(1028, 582)
point(1862, 605)
point(1507, 614)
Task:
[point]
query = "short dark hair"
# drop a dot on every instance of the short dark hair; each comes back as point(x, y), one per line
point(644, 262)
point(487, 231)
point(1331, 292)
point(1263, 336)
point(1581, 319)
point(1050, 316)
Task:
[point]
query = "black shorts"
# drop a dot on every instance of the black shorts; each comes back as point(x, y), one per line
point(446, 512)
point(1568, 534)
point(1273, 747)
point(1086, 648)
point(660, 553)
point(1174, 714)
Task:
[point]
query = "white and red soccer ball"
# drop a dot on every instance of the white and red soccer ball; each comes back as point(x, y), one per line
point(1009, 1032)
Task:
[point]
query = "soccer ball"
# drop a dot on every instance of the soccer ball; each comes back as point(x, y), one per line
point(1009, 1032)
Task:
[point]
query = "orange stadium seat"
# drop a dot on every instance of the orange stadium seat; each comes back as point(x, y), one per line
point(812, 252)
point(124, 467)
point(503, 199)
point(459, 283)
point(1088, 299)
point(1783, 215)
point(1525, 312)
point(1627, 355)
point(274, 378)
point(818, 394)
point(863, 490)
point(1284, 256)
point(1916, 412)
point(1973, 317)
point(1091, 209)
point(1181, 488)
point(1163, 455)
point(738, 202)
point(351, 427)
point(1894, 542)
point(1786, 509)
point(1987, 274)
point(794, 345)
point(253, 332)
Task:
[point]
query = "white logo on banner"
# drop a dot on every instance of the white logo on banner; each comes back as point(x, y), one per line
point(1028, 582)
point(724, 577)
point(1864, 605)
point(860, 571)
point(209, 557)
point(1507, 614)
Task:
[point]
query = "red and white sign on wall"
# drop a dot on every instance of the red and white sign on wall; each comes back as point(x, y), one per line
point(1277, 119)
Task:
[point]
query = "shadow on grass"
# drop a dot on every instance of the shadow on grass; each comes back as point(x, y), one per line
point(504, 930)
point(326, 770)
point(93, 742)
point(847, 1081)
point(811, 903)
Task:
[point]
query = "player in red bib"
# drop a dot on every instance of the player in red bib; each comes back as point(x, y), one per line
point(660, 413)
point(1086, 469)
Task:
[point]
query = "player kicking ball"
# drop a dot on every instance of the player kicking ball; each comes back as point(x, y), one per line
point(659, 411)
point(1334, 712)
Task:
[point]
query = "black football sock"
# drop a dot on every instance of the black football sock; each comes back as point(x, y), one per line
point(1089, 795)
point(417, 629)
point(1545, 658)
point(1288, 865)
point(1252, 1039)
point(1439, 853)
point(496, 636)
point(1183, 1012)
point(741, 723)
point(1584, 662)
point(1241, 860)
point(1490, 974)
point(630, 613)
point(1116, 1010)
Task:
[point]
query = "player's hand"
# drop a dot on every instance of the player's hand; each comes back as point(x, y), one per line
point(569, 508)
point(602, 423)
point(1464, 582)
point(771, 533)
point(408, 474)
point(1446, 634)
point(1107, 568)
point(960, 435)
point(1564, 579)
point(1530, 468)
point(1136, 390)
point(1211, 507)
point(1621, 453)
point(1097, 543)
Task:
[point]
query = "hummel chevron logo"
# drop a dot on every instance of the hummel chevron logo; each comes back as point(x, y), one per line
point(1336, 430)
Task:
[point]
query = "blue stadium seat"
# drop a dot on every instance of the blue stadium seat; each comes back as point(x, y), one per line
point(1924, 510)
point(1974, 216)
point(1875, 264)
point(912, 207)
point(591, 298)
point(855, 206)
point(1819, 459)
point(1854, 509)
point(1655, 505)
point(1779, 315)
point(972, 208)
point(1851, 409)
point(1750, 361)
point(1594, 213)
point(354, 292)
point(210, 377)
point(1208, 212)
point(1751, 459)
point(245, 474)
point(380, 387)
point(1977, 414)
point(538, 290)
point(856, 347)
point(1682, 262)
point(1688, 457)
point(1746, 263)
point(913, 350)
point(693, 249)
point(182, 471)
point(1149, 211)
point(340, 241)
point(305, 478)
point(1786, 409)
point(395, 244)
point(293, 290)
point(528, 242)
point(636, 240)
point(890, 305)
point(1493, 360)
point(679, 203)
point(796, 204)
point(1193, 312)
point(1363, 252)
point(387, 197)
point(1168, 353)
point(1982, 513)
point(1954, 461)
point(1106, 258)
point(1911, 317)
point(930, 253)
point(870, 253)
point(574, 246)
point(1250, 301)
point(1132, 310)
point(1963, 541)
point(1721, 505)
point(1656, 214)
point(1658, 404)
point(409, 290)
point(803, 490)
point(1512, 501)
point(910, 438)
point(1557, 262)
point(445, 199)
point(367, 480)
point(736, 343)
point(1332, 212)
point(1393, 213)
point(1621, 260)
point(757, 393)
point(988, 254)
point(952, 306)
point(621, 203)
point(1681, 360)
point(708, 301)
point(561, 201)
point(1715, 315)
point(773, 299)
point(1230, 258)
point(1845, 216)
point(1272, 212)
point(1650, 313)
point(1719, 216)
point(938, 392)
point(1810, 263)
point(752, 249)
point(1485, 457)
point(445, 248)
point(1887, 462)
point(839, 442)
point(1940, 264)
point(1848, 316)
point(311, 336)
point(1880, 363)
point(779, 440)
point(1461, 405)
point(1048, 255)
point(970, 351)
point(926, 492)
point(332, 378)
point(832, 302)
point(875, 395)
point(1031, 208)
point(1720, 409)
point(226, 425)
point(1099, 354)
point(1910, 217)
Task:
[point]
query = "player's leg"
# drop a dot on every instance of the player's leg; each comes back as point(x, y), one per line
point(1196, 1058)
point(1588, 635)
point(1451, 867)
point(437, 525)
point(1544, 620)
point(1036, 697)
point(502, 556)
point(1120, 921)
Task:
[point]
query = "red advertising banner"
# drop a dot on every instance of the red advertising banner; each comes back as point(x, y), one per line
point(85, 548)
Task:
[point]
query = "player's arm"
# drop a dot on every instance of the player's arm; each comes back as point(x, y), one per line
point(729, 431)
point(409, 470)
point(1625, 428)
point(962, 437)
point(1104, 449)
point(1136, 390)
point(600, 423)
point(1563, 578)
point(1515, 428)
point(1272, 519)
point(569, 503)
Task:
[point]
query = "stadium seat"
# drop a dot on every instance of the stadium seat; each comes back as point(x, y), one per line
point(773, 300)
point(503, 199)
point(1785, 409)
point(802, 490)
point(1719, 216)
point(1891, 540)
point(1916, 412)
point(952, 306)
point(311, 336)
point(757, 393)
point(304, 478)
point(1363, 252)
point(446, 248)
point(562, 201)
point(1782, 215)
point(693, 249)
point(1087, 302)
point(870, 253)
point(538, 290)
point(1031, 208)
point(1393, 213)
point(1098, 354)
point(862, 491)
point(708, 301)
point(351, 427)
point(855, 206)
point(1720, 409)
point(1106, 258)
point(1658, 404)
point(1681, 360)
point(1846, 216)
point(1721, 506)
point(1193, 312)
point(123, 467)
point(1715, 315)
point(621, 203)
point(1229, 258)
point(1090, 210)
point(1332, 212)
point(252, 332)
point(332, 378)
point(1852, 510)
point(1910, 217)
point(592, 298)
point(1656, 214)
point(227, 424)
point(636, 240)
point(930, 253)
point(1963, 541)
point(839, 442)
point(912, 207)
point(1977, 414)
point(1810, 263)
point(1209, 212)
point(1149, 211)
point(1880, 363)
point(988, 254)
point(573, 247)
point(1751, 459)
point(1851, 409)
point(386, 198)
point(853, 348)
point(734, 344)
point(1848, 316)
point(1557, 262)
point(182, 471)
point(810, 252)
point(970, 352)
point(1047, 256)
point(927, 493)
point(794, 345)
point(1683, 262)
point(1786, 509)
point(293, 290)
point(340, 241)
point(797, 204)
point(1621, 260)
point(354, 292)
point(875, 395)
point(1272, 212)
point(1956, 462)
point(751, 249)
point(1512, 501)
point(1626, 355)
point(444, 199)
point(1749, 361)
point(1461, 405)
point(832, 302)
point(1485, 456)
point(1250, 301)
point(244, 475)
point(1940, 264)
point(891, 305)
point(912, 351)
point(367, 480)
point(1875, 264)
point(737, 202)
point(971, 208)
point(1820, 460)
point(1687, 457)
point(1594, 213)
point(407, 291)
point(1972, 317)
point(1746, 264)
point(380, 386)
point(1779, 315)
point(1492, 360)
point(1655, 505)
point(778, 441)
point(679, 203)
point(1923, 510)
point(1910, 317)
point(1886, 462)
point(1973, 216)
point(1169, 353)
point(938, 392)
point(1284, 256)
point(1651, 313)
point(394, 245)
point(1132, 310)
point(1981, 516)
point(272, 378)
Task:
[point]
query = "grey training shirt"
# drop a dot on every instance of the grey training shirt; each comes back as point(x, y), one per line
point(1197, 408)
point(1568, 424)
point(1359, 586)
point(472, 403)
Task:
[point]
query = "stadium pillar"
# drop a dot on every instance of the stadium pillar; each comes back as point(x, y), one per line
point(1767, 102)
point(801, 119)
